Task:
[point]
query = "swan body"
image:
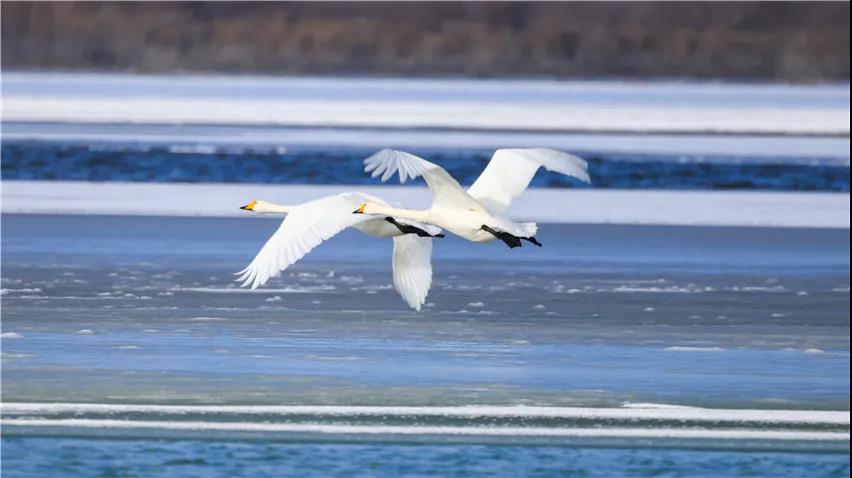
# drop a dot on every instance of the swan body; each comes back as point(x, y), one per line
point(477, 214)
point(308, 224)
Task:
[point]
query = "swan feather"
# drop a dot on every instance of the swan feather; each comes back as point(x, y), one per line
point(412, 268)
point(510, 171)
point(446, 191)
point(311, 223)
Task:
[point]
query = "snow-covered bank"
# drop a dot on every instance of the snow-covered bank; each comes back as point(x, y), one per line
point(452, 104)
point(635, 412)
point(411, 114)
point(705, 208)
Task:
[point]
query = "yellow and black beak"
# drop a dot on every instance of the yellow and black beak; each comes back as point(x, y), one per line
point(249, 206)
point(360, 209)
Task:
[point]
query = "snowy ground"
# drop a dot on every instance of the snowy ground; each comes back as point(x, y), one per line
point(449, 104)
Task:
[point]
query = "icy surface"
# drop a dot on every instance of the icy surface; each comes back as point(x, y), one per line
point(717, 208)
point(165, 323)
point(797, 149)
point(464, 104)
point(772, 148)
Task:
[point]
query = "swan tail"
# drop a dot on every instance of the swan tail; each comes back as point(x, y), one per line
point(526, 229)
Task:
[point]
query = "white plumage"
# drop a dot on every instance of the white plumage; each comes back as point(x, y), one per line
point(412, 268)
point(510, 171)
point(470, 214)
point(309, 224)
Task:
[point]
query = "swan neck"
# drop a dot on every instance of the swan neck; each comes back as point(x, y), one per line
point(411, 214)
point(276, 209)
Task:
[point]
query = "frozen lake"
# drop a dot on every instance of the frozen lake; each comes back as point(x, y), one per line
point(144, 310)
point(140, 313)
point(614, 350)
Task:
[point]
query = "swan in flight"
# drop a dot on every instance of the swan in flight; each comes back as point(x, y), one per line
point(478, 214)
point(308, 224)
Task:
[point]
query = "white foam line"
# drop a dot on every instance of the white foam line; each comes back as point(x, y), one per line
point(595, 206)
point(427, 430)
point(627, 413)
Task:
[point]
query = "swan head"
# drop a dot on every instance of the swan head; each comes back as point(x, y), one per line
point(250, 206)
point(366, 208)
point(260, 206)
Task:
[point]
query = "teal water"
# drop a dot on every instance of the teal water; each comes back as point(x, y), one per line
point(51, 457)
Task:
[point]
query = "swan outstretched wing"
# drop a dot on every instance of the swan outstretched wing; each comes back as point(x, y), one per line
point(412, 268)
point(445, 189)
point(303, 229)
point(510, 171)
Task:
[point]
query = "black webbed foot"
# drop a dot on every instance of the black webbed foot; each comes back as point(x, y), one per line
point(510, 240)
point(409, 229)
point(532, 239)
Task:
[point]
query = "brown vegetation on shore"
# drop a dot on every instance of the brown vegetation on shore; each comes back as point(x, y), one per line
point(795, 41)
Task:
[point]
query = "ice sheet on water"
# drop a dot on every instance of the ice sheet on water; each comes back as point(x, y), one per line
point(590, 347)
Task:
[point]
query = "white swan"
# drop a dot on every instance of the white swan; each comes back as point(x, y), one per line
point(477, 214)
point(308, 224)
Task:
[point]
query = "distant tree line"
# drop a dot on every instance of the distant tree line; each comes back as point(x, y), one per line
point(784, 41)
